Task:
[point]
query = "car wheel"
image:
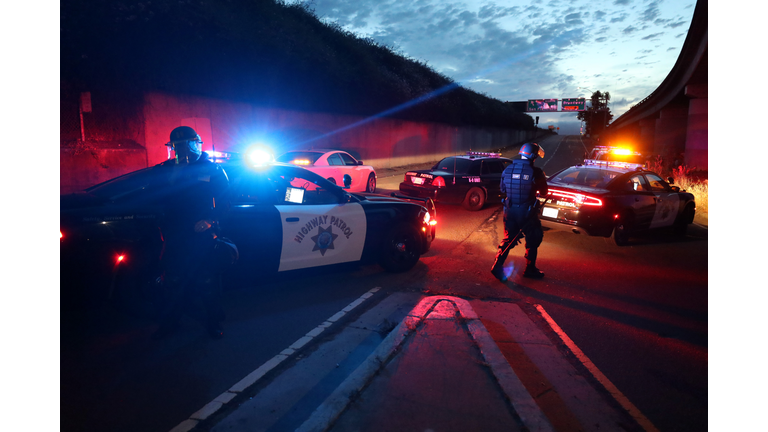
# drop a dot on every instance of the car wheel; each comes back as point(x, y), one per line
point(681, 224)
point(474, 200)
point(620, 233)
point(401, 249)
point(137, 293)
point(370, 187)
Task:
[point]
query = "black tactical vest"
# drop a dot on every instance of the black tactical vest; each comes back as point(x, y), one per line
point(519, 182)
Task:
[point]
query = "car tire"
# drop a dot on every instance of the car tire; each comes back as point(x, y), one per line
point(401, 249)
point(370, 186)
point(137, 293)
point(681, 224)
point(620, 234)
point(474, 200)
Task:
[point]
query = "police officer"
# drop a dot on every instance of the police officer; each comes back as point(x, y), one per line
point(196, 185)
point(521, 181)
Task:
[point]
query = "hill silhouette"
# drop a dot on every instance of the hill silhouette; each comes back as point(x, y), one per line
point(264, 52)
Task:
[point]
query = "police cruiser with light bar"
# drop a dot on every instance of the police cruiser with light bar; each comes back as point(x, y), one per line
point(282, 217)
point(471, 180)
point(615, 200)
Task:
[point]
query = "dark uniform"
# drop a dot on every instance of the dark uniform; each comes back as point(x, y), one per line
point(189, 229)
point(521, 181)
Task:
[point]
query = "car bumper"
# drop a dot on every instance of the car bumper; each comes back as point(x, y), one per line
point(441, 195)
point(578, 223)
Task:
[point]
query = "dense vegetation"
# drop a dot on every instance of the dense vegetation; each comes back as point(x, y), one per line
point(263, 52)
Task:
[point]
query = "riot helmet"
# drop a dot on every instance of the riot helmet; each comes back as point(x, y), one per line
point(186, 143)
point(531, 151)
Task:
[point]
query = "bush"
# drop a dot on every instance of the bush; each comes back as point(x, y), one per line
point(687, 180)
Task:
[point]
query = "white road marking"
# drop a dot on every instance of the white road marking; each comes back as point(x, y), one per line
point(615, 392)
point(256, 375)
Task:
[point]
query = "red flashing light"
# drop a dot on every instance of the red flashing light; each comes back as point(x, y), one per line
point(61, 235)
point(120, 258)
point(577, 197)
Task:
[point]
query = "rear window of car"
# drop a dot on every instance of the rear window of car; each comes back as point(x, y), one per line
point(290, 157)
point(581, 176)
point(457, 165)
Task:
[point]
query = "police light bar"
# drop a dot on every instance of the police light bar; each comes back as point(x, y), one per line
point(219, 156)
point(611, 164)
point(471, 153)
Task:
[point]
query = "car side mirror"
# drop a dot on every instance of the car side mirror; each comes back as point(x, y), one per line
point(359, 162)
point(670, 180)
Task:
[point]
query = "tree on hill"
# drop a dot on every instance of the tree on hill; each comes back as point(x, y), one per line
point(264, 52)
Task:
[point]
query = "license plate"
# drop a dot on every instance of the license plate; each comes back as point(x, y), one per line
point(549, 212)
point(417, 180)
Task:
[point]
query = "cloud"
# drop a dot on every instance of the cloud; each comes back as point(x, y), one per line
point(652, 36)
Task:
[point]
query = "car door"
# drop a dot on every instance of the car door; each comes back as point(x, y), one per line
point(490, 175)
point(667, 202)
point(319, 227)
point(357, 173)
point(639, 197)
point(253, 223)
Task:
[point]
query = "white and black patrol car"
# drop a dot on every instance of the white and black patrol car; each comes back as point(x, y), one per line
point(614, 200)
point(471, 180)
point(281, 217)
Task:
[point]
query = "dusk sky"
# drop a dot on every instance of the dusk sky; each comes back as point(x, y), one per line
point(517, 50)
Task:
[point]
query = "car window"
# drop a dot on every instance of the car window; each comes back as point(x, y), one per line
point(492, 167)
point(636, 183)
point(656, 183)
point(580, 176)
point(347, 159)
point(335, 160)
point(457, 165)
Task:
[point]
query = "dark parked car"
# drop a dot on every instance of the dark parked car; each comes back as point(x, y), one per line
point(281, 217)
point(615, 200)
point(471, 180)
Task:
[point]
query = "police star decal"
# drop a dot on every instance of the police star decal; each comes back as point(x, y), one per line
point(324, 239)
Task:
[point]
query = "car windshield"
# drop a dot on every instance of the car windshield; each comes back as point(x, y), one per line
point(300, 157)
point(453, 164)
point(583, 176)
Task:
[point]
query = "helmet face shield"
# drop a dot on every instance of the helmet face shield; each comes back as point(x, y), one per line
point(541, 152)
point(186, 143)
point(531, 150)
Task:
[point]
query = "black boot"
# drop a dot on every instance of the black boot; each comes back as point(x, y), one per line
point(530, 269)
point(498, 264)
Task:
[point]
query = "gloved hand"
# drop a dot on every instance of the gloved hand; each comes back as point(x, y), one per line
point(203, 225)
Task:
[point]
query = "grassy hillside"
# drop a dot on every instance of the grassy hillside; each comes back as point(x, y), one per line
point(260, 51)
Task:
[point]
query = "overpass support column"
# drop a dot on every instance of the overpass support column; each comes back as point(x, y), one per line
point(697, 139)
point(671, 130)
point(647, 135)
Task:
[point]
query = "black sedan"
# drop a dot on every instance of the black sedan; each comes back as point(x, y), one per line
point(281, 217)
point(471, 180)
point(614, 200)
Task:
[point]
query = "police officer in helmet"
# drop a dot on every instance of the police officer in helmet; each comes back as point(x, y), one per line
point(521, 181)
point(189, 228)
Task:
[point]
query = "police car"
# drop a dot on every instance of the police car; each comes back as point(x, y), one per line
point(471, 180)
point(338, 167)
point(281, 217)
point(615, 200)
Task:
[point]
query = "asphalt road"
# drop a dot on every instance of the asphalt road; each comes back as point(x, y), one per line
point(638, 312)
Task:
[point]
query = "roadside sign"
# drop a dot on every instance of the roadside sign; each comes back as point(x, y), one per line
point(574, 104)
point(542, 105)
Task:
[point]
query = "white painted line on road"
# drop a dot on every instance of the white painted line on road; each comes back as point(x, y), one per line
point(612, 389)
point(253, 377)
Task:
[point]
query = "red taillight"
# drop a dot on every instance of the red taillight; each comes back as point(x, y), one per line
point(577, 197)
point(438, 182)
point(120, 258)
point(61, 235)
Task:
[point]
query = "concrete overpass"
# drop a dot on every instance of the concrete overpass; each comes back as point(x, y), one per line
point(673, 119)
